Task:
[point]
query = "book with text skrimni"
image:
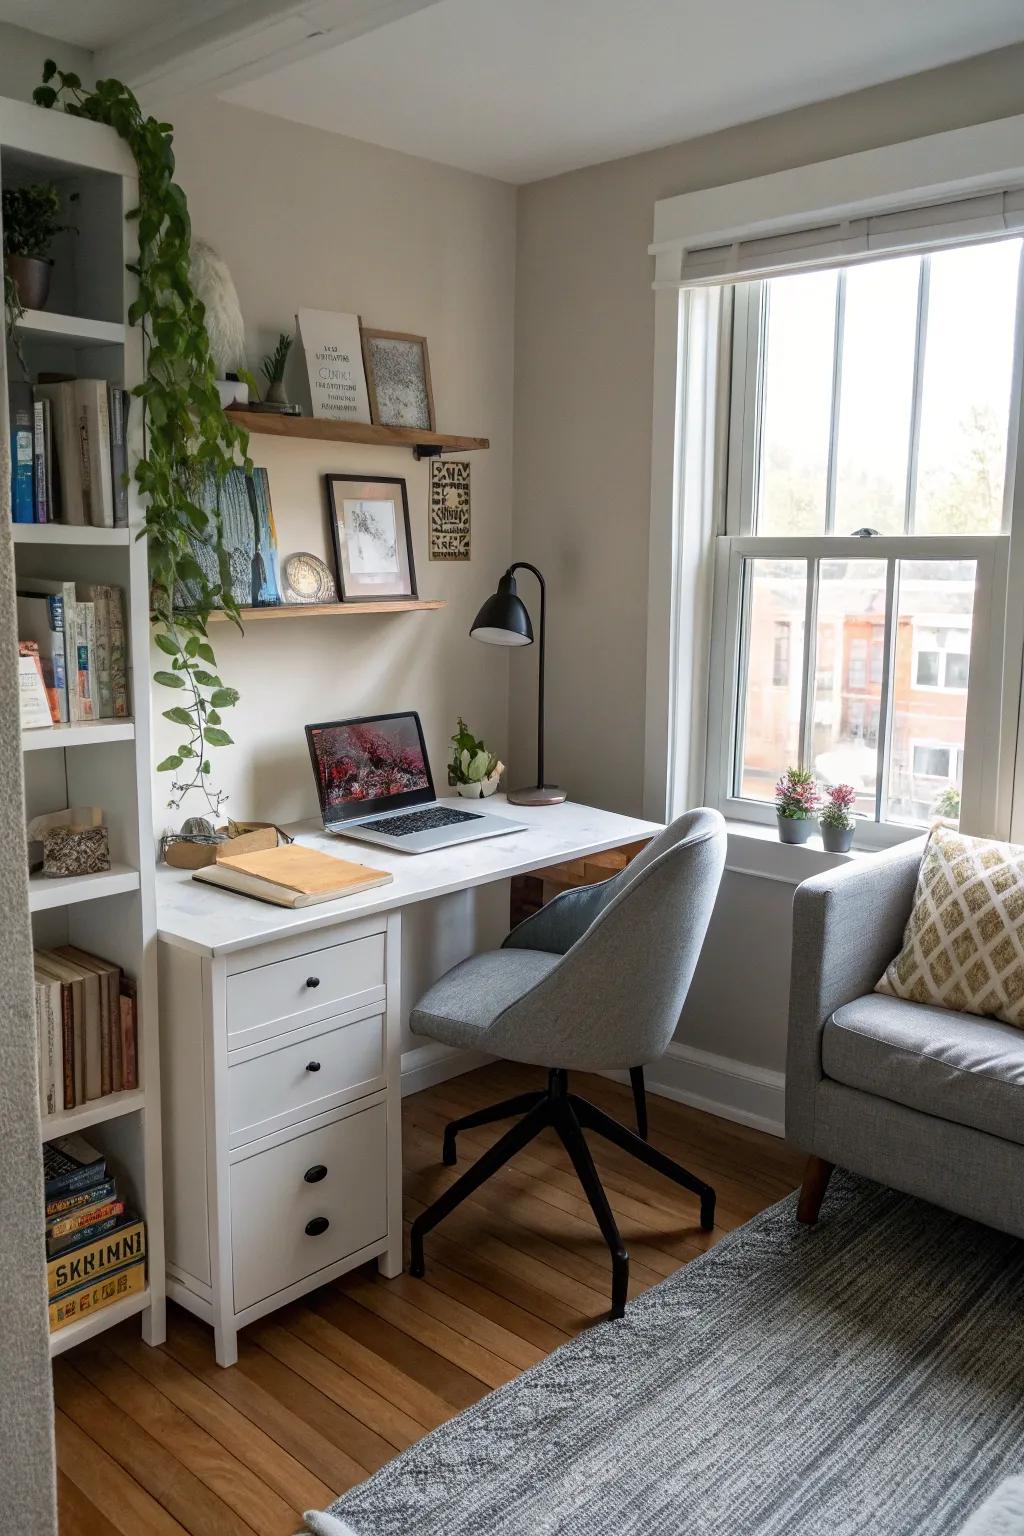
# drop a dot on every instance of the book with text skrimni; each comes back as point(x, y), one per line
point(84, 1265)
point(91, 1297)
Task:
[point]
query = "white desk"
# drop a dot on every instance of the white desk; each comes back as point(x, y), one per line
point(280, 1063)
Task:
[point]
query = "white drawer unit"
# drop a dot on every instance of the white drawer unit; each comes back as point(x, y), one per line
point(323, 1196)
point(281, 1080)
point(292, 1077)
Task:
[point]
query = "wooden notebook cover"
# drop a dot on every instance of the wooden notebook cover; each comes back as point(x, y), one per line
point(302, 869)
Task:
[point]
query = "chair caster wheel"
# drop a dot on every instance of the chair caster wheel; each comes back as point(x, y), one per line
point(417, 1269)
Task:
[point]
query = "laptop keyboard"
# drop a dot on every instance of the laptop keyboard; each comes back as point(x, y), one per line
point(419, 821)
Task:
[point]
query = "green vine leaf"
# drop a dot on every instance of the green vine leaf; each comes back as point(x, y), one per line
point(224, 698)
point(188, 437)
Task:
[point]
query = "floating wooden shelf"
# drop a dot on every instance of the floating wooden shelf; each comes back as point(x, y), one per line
point(321, 430)
point(337, 610)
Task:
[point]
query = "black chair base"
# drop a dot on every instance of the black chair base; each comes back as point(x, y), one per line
point(570, 1116)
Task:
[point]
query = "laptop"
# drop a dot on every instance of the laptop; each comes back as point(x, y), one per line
point(373, 779)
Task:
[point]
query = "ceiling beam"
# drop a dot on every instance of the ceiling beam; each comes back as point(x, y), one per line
point(211, 46)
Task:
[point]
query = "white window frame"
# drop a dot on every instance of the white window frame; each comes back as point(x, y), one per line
point(959, 164)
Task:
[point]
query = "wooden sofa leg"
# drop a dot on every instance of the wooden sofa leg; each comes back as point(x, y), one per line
point(812, 1190)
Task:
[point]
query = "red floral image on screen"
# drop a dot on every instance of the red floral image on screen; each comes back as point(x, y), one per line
point(369, 762)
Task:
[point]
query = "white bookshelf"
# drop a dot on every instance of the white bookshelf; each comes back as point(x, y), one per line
point(84, 332)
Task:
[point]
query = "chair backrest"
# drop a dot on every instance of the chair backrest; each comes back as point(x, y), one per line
point(615, 997)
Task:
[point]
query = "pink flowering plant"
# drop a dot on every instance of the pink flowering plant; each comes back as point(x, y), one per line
point(838, 810)
point(797, 796)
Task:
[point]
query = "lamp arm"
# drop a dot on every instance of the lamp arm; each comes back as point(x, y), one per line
point(524, 565)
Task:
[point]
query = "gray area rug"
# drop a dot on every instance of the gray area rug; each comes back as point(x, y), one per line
point(864, 1375)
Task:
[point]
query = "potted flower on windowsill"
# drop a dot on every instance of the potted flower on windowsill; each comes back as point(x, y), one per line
point(473, 770)
point(796, 805)
point(837, 822)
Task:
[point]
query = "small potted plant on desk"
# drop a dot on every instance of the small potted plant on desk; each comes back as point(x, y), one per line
point(837, 821)
point(796, 805)
point(474, 770)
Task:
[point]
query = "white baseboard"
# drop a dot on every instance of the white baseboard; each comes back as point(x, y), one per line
point(435, 1063)
point(733, 1090)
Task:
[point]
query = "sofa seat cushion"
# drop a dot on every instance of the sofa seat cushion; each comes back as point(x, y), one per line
point(946, 1064)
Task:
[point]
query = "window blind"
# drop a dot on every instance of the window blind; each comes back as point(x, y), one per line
point(843, 242)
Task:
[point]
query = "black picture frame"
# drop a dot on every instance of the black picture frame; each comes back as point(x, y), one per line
point(364, 586)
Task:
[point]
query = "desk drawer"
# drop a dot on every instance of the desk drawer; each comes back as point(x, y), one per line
point(296, 1076)
point(273, 1204)
point(274, 998)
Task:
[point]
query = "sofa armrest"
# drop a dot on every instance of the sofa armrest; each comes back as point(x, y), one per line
point(847, 926)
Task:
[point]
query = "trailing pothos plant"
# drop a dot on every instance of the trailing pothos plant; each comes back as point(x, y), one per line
point(189, 439)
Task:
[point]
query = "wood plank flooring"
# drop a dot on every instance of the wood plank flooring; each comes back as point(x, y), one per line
point(325, 1391)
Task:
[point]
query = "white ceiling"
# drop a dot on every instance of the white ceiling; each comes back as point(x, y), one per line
point(522, 89)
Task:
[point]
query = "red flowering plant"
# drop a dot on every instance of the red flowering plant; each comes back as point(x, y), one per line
point(838, 810)
point(796, 795)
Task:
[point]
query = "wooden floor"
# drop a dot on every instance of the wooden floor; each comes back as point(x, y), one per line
point(329, 1388)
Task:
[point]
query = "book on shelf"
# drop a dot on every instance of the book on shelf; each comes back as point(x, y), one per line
point(93, 415)
point(22, 437)
point(70, 1165)
point(292, 876)
point(88, 1261)
point(85, 1224)
point(91, 1297)
point(67, 453)
point(42, 459)
point(33, 698)
point(41, 618)
point(109, 634)
point(87, 1022)
point(64, 591)
point(119, 402)
point(80, 1200)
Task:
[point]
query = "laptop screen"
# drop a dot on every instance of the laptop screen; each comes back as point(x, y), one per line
point(363, 767)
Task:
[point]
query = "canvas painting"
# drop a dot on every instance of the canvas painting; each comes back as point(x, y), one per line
point(370, 529)
point(250, 538)
point(449, 509)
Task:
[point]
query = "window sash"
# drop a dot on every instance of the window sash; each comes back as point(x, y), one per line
point(728, 667)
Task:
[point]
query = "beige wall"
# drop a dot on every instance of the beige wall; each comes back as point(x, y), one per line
point(584, 361)
point(21, 60)
point(305, 218)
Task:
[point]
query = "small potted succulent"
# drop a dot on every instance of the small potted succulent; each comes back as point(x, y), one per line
point(32, 218)
point(473, 770)
point(836, 819)
point(796, 805)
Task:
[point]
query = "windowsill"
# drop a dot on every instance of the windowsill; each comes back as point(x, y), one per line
point(755, 849)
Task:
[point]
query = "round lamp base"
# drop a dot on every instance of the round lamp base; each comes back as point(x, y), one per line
point(539, 794)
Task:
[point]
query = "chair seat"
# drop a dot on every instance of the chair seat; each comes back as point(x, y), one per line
point(458, 1009)
point(955, 1066)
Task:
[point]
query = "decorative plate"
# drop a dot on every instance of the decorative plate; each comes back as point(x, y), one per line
point(308, 580)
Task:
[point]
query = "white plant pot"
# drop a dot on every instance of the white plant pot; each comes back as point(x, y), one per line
point(481, 789)
point(232, 392)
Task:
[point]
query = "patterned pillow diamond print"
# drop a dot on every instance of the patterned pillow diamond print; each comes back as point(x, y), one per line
point(963, 947)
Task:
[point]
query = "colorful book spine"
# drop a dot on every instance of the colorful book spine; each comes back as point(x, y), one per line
point(94, 1295)
point(103, 696)
point(40, 461)
point(129, 1033)
point(97, 1229)
point(87, 1263)
point(118, 653)
point(22, 433)
point(85, 654)
point(77, 1224)
point(61, 1205)
point(118, 405)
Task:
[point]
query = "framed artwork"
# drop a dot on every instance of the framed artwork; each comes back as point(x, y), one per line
point(250, 539)
point(398, 379)
point(372, 543)
point(449, 509)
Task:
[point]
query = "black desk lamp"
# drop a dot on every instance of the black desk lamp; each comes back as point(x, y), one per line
point(503, 620)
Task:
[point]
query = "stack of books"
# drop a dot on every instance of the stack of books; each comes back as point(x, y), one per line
point(96, 1249)
point(69, 457)
point(87, 1028)
point(79, 628)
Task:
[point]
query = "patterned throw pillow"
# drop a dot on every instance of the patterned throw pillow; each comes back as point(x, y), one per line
point(964, 944)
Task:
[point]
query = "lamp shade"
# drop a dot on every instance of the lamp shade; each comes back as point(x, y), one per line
point(503, 619)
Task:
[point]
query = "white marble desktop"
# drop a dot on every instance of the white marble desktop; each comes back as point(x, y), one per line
point(218, 922)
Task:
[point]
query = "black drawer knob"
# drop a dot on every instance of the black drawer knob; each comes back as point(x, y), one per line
point(312, 981)
point(316, 1226)
point(312, 1066)
point(315, 1174)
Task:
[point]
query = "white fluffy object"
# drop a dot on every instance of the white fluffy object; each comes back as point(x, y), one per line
point(213, 285)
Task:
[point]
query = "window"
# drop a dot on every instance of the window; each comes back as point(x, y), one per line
point(869, 486)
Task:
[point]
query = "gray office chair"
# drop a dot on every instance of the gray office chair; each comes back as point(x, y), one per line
point(594, 981)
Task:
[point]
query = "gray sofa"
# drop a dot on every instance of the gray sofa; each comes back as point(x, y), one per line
point(923, 1099)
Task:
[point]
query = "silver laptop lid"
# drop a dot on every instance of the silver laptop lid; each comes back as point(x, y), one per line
point(367, 766)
